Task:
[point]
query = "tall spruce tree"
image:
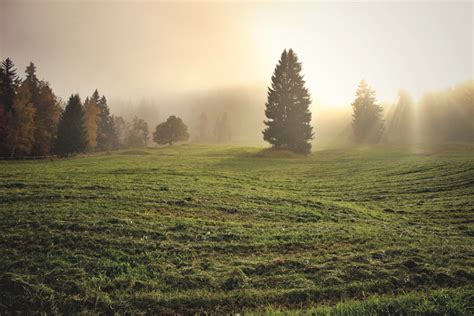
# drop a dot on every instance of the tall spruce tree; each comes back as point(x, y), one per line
point(367, 117)
point(107, 137)
point(72, 133)
point(9, 83)
point(287, 107)
point(47, 112)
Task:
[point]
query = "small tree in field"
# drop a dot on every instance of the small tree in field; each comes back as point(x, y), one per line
point(173, 130)
point(287, 107)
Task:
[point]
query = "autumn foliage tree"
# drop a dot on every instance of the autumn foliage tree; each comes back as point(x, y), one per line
point(171, 131)
point(91, 119)
point(47, 112)
point(287, 108)
point(20, 137)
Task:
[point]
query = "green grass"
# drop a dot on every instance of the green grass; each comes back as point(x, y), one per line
point(219, 229)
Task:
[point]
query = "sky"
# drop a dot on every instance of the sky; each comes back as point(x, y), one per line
point(134, 49)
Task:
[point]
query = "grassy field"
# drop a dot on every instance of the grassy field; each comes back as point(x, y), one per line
point(219, 229)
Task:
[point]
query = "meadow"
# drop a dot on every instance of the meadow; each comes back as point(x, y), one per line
point(228, 229)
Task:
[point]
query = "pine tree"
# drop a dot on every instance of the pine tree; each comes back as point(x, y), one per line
point(107, 137)
point(287, 107)
point(367, 119)
point(20, 135)
point(9, 83)
point(72, 133)
point(32, 81)
point(47, 112)
point(173, 130)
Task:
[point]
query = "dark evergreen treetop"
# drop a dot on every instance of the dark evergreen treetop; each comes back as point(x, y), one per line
point(9, 83)
point(32, 81)
point(367, 117)
point(287, 107)
point(72, 133)
point(106, 132)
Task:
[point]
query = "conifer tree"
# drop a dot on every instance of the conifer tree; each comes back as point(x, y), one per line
point(20, 135)
point(367, 119)
point(72, 133)
point(9, 83)
point(47, 112)
point(287, 107)
point(107, 137)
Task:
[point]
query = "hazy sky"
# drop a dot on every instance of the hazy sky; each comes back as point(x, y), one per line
point(133, 49)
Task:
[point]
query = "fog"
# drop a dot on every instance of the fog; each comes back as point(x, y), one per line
point(154, 59)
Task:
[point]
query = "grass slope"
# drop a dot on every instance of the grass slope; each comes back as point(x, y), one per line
point(226, 229)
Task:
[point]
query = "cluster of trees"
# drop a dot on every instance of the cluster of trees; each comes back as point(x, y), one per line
point(34, 123)
point(29, 113)
point(447, 116)
point(440, 116)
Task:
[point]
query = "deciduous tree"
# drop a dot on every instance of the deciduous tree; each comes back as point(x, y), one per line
point(20, 135)
point(173, 130)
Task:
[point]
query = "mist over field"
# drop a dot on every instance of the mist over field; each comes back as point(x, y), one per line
point(228, 158)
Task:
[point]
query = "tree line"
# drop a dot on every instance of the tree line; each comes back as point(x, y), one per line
point(35, 122)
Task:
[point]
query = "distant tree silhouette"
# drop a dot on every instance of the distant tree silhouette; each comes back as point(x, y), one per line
point(401, 128)
point(203, 127)
point(287, 107)
point(72, 133)
point(222, 129)
point(121, 130)
point(448, 115)
point(138, 133)
point(21, 124)
point(367, 119)
point(173, 130)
